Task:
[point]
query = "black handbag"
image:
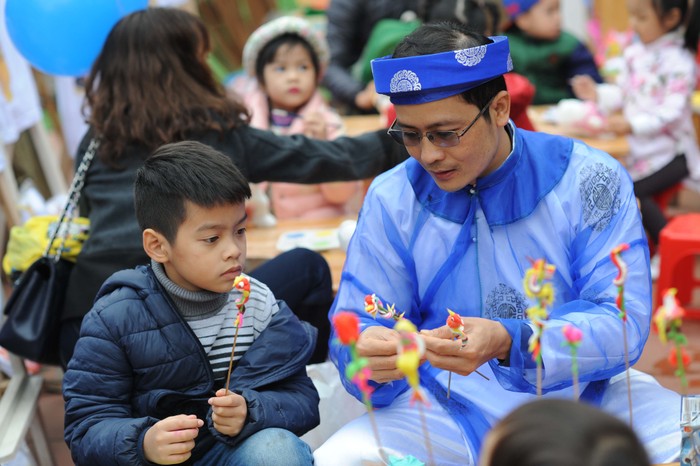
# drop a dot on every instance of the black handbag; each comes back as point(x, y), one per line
point(33, 312)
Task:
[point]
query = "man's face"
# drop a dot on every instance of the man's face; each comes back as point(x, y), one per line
point(542, 21)
point(480, 150)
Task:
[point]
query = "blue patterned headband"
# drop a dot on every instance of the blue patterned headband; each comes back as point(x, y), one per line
point(426, 78)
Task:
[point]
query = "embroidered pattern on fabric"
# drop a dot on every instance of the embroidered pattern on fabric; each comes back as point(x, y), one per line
point(595, 296)
point(504, 302)
point(600, 195)
point(404, 81)
point(471, 56)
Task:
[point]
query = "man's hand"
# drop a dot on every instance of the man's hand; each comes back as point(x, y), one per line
point(379, 345)
point(229, 412)
point(171, 440)
point(485, 340)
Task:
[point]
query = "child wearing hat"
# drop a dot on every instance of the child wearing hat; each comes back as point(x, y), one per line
point(542, 52)
point(284, 61)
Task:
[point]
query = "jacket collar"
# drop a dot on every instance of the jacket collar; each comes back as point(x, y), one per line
point(509, 193)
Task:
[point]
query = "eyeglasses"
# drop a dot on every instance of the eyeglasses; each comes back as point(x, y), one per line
point(438, 138)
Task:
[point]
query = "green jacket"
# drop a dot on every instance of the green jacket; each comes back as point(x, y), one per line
point(549, 65)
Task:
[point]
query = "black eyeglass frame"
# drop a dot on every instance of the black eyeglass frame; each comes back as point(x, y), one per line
point(435, 136)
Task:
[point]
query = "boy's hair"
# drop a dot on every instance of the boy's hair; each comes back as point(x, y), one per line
point(184, 171)
point(267, 54)
point(552, 432)
point(445, 37)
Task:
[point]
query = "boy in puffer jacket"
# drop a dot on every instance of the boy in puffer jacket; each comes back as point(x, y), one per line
point(146, 382)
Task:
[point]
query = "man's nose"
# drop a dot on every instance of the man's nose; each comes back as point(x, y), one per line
point(429, 152)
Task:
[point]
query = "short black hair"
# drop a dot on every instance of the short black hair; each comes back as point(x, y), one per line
point(446, 36)
point(267, 54)
point(184, 171)
point(552, 432)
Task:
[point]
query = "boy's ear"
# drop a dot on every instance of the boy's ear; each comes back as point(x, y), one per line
point(501, 108)
point(156, 246)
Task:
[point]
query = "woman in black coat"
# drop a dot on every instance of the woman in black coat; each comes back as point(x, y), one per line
point(151, 85)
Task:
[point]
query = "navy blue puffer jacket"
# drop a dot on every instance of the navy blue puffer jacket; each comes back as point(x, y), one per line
point(137, 361)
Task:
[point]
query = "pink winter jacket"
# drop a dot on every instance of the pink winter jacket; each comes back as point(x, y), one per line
point(291, 200)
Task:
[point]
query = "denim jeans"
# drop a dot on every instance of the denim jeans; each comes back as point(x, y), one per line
point(268, 447)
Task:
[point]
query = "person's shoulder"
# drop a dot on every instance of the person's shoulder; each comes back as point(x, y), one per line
point(392, 181)
point(125, 289)
point(515, 36)
point(565, 44)
point(676, 57)
point(588, 162)
point(261, 301)
point(580, 155)
point(567, 38)
point(259, 288)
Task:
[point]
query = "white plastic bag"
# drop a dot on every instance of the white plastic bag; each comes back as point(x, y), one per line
point(337, 407)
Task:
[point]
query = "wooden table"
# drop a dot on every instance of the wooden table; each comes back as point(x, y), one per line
point(358, 124)
point(617, 146)
point(262, 243)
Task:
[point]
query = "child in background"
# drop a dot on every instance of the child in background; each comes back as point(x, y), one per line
point(145, 384)
point(543, 53)
point(284, 60)
point(654, 90)
point(554, 432)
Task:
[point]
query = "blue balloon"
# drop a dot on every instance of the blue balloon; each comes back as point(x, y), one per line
point(64, 37)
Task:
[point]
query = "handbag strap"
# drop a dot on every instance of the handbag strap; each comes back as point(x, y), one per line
point(72, 200)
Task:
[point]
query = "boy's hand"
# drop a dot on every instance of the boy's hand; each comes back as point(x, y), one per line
point(229, 412)
point(618, 124)
point(171, 440)
point(367, 97)
point(584, 87)
point(315, 126)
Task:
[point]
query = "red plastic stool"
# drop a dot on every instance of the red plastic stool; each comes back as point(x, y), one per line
point(665, 197)
point(679, 245)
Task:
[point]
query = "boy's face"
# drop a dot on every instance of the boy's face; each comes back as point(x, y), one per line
point(209, 250)
point(290, 79)
point(542, 21)
point(481, 150)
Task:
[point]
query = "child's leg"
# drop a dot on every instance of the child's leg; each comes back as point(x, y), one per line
point(302, 279)
point(653, 218)
point(269, 447)
point(400, 434)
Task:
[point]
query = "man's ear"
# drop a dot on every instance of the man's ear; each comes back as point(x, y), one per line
point(501, 108)
point(156, 246)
